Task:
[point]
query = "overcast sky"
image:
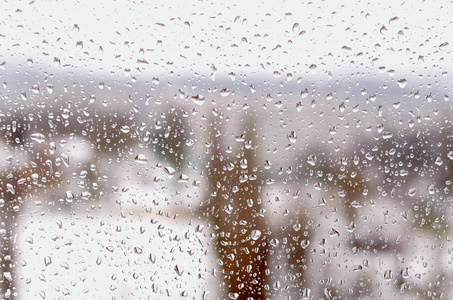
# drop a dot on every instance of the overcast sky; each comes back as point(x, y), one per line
point(247, 36)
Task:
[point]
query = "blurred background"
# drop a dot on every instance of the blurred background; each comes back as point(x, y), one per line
point(227, 150)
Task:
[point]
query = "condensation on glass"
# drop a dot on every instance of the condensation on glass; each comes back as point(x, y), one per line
point(225, 150)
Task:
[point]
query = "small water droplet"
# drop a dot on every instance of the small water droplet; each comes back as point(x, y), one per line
point(47, 260)
point(79, 45)
point(179, 270)
point(432, 189)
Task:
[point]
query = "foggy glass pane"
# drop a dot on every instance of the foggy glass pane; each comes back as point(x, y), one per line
point(225, 150)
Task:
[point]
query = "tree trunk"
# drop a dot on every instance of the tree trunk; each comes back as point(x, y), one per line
point(234, 209)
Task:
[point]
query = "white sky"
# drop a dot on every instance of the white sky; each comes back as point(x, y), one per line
point(197, 34)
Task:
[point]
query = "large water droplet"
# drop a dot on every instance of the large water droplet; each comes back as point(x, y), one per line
point(169, 171)
point(292, 137)
point(38, 137)
point(198, 99)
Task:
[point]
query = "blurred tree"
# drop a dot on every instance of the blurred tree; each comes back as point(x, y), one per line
point(28, 171)
point(169, 137)
point(234, 209)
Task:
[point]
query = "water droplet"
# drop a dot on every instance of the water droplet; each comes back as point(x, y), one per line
point(388, 275)
point(369, 156)
point(432, 189)
point(387, 135)
point(49, 88)
point(412, 192)
point(333, 233)
point(152, 258)
point(141, 159)
point(169, 171)
point(292, 137)
point(79, 45)
point(183, 178)
point(35, 89)
point(443, 46)
point(65, 159)
point(304, 93)
point(450, 155)
point(351, 227)
point(438, 161)
point(125, 129)
point(274, 242)
point(356, 268)
point(405, 272)
point(38, 137)
point(392, 20)
point(311, 160)
point(356, 204)
point(179, 270)
point(306, 293)
point(255, 234)
point(69, 196)
point(47, 260)
point(225, 92)
point(198, 99)
point(243, 163)
point(299, 106)
point(402, 83)
point(233, 296)
point(304, 244)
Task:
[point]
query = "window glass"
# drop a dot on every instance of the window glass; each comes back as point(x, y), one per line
point(225, 150)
